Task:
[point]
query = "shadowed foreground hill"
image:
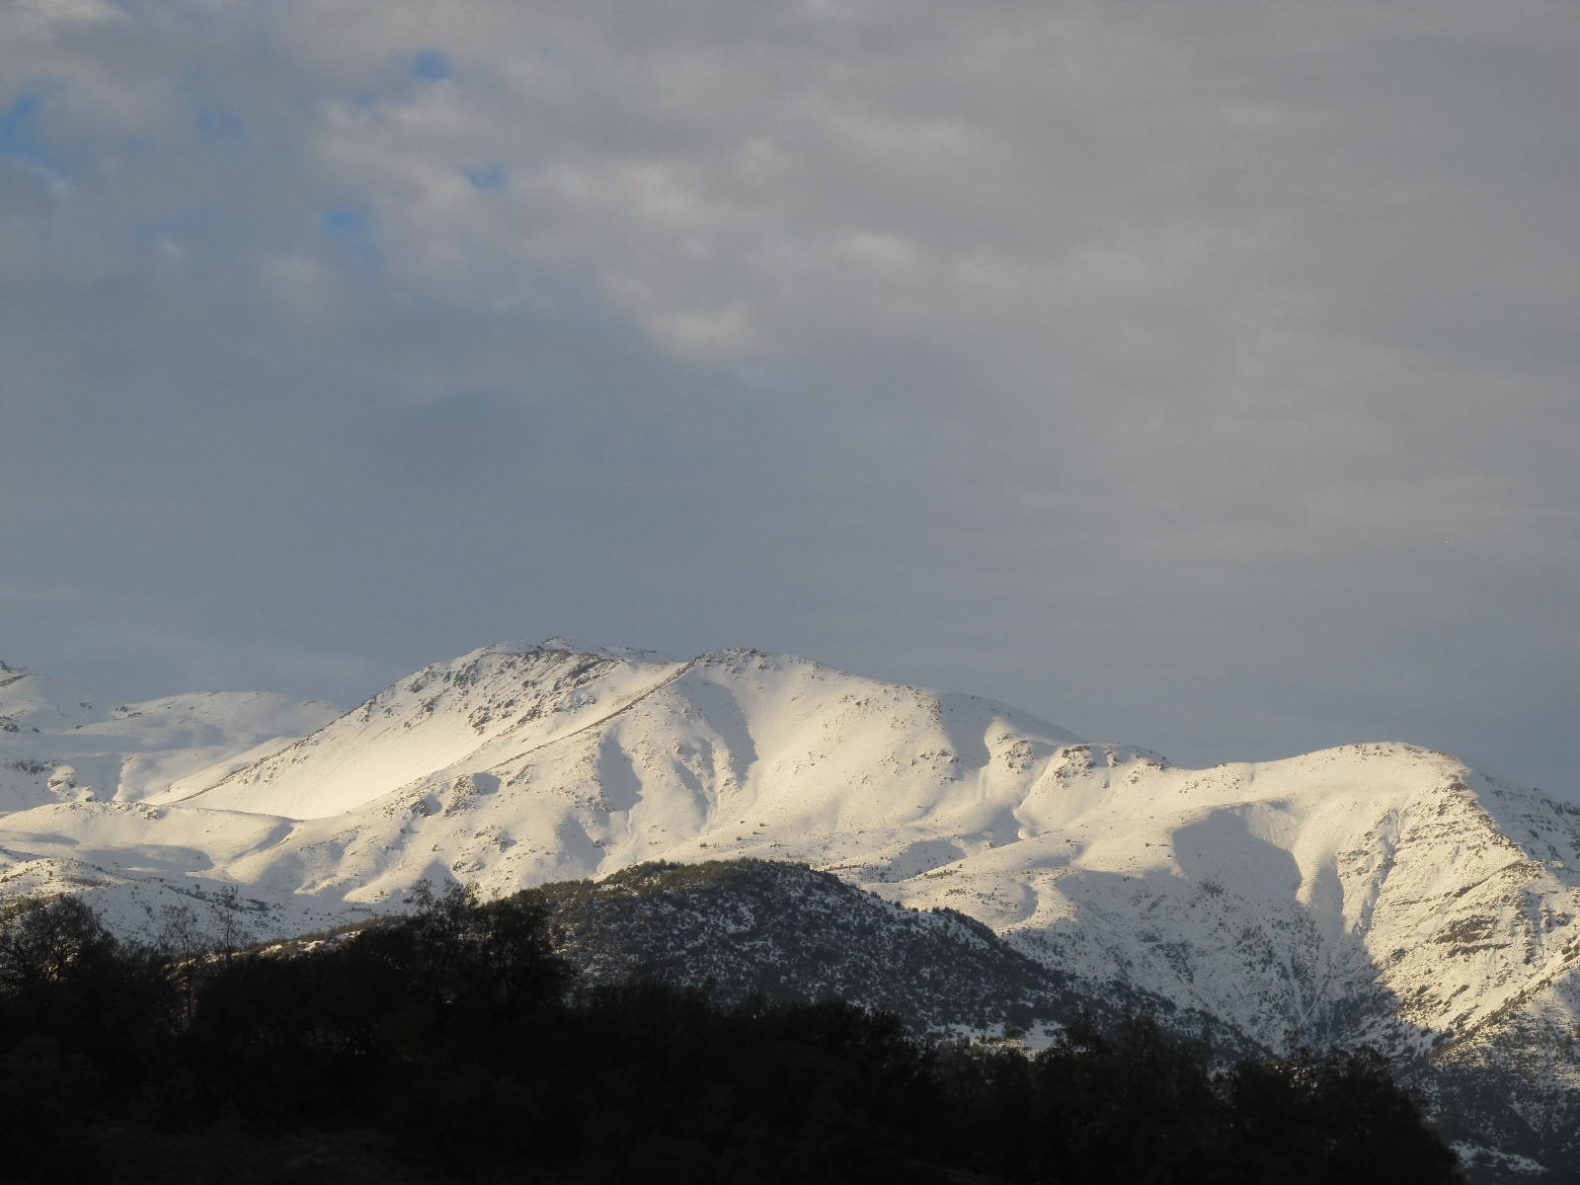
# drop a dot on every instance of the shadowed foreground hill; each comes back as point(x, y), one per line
point(785, 932)
point(447, 1046)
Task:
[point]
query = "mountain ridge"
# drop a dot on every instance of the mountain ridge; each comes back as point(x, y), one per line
point(1379, 892)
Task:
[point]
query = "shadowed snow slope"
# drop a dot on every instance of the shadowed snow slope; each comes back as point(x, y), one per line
point(1374, 892)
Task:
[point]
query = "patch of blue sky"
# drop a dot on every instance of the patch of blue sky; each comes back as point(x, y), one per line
point(353, 233)
point(19, 128)
point(19, 136)
point(16, 124)
point(431, 65)
point(487, 176)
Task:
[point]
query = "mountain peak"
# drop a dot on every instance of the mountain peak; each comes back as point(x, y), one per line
point(560, 643)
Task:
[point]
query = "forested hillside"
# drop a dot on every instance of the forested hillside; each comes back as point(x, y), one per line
point(453, 1044)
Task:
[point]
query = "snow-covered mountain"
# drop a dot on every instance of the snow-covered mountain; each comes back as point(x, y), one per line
point(55, 745)
point(1375, 892)
point(70, 778)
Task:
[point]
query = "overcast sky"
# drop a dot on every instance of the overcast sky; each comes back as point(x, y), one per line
point(1196, 375)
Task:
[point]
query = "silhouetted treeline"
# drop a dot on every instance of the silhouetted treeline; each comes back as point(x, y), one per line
point(451, 1046)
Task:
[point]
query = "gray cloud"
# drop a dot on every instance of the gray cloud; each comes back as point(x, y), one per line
point(1200, 377)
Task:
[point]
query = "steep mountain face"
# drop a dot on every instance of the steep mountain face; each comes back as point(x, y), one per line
point(519, 766)
point(448, 719)
point(1378, 893)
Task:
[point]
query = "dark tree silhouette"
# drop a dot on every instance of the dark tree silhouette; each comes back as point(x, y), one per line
point(449, 1045)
